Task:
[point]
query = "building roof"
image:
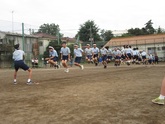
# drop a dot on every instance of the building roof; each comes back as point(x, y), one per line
point(18, 34)
point(44, 35)
point(135, 40)
point(70, 40)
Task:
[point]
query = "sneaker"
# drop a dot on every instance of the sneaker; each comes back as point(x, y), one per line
point(105, 66)
point(82, 67)
point(58, 66)
point(96, 64)
point(158, 101)
point(29, 83)
point(14, 82)
point(67, 70)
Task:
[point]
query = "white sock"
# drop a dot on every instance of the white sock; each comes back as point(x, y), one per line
point(15, 80)
point(161, 97)
point(28, 80)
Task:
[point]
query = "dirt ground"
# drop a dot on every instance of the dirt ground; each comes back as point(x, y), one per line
point(91, 96)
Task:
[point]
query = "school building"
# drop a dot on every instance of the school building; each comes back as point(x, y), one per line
point(152, 44)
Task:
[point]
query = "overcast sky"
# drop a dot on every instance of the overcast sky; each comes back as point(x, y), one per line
point(69, 14)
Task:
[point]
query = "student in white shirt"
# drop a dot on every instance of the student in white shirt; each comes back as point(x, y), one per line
point(88, 53)
point(104, 52)
point(18, 56)
point(65, 56)
point(95, 52)
point(144, 56)
point(78, 56)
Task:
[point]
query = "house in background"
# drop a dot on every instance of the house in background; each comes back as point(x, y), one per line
point(7, 41)
point(152, 44)
point(44, 40)
point(71, 41)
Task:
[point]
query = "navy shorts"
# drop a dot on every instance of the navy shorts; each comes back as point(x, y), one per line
point(77, 60)
point(89, 57)
point(55, 59)
point(96, 56)
point(118, 57)
point(104, 57)
point(65, 58)
point(109, 57)
point(129, 55)
point(143, 57)
point(20, 64)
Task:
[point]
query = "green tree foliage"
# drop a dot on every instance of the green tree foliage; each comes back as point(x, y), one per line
point(160, 30)
point(51, 29)
point(106, 35)
point(88, 30)
point(148, 29)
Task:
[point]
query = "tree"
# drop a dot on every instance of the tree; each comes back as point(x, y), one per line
point(149, 28)
point(88, 30)
point(160, 30)
point(51, 29)
point(106, 35)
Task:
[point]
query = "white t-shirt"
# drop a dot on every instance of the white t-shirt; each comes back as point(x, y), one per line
point(78, 52)
point(103, 51)
point(18, 55)
point(95, 50)
point(88, 51)
point(65, 51)
point(143, 53)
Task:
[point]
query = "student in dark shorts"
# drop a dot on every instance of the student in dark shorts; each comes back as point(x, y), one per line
point(18, 56)
point(65, 56)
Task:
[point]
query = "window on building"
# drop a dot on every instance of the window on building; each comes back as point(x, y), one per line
point(163, 48)
point(158, 48)
point(40, 43)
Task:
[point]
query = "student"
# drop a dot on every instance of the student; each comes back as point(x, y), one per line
point(144, 56)
point(95, 52)
point(117, 56)
point(156, 59)
point(160, 100)
point(104, 52)
point(53, 57)
point(78, 56)
point(109, 55)
point(65, 56)
point(128, 52)
point(88, 53)
point(18, 56)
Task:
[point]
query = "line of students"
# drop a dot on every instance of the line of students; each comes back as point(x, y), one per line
point(18, 56)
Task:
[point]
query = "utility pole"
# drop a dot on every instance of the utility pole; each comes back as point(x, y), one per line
point(23, 37)
point(91, 39)
point(58, 37)
point(12, 22)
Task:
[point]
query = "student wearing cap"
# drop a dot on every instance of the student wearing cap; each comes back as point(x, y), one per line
point(78, 56)
point(95, 52)
point(65, 56)
point(18, 56)
point(88, 53)
point(53, 57)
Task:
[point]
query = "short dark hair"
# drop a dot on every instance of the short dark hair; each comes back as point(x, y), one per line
point(16, 46)
point(64, 42)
